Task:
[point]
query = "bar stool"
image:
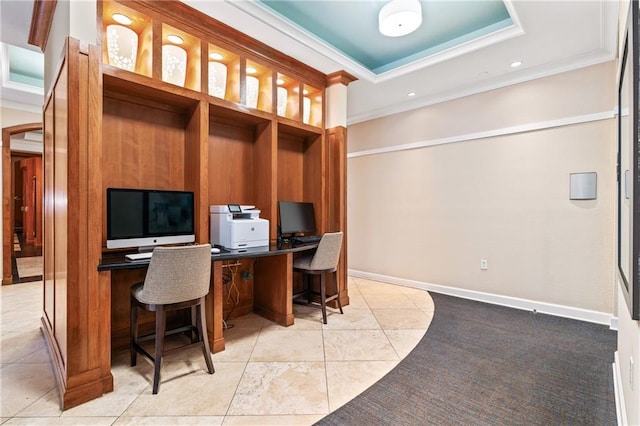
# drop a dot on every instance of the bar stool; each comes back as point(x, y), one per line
point(177, 278)
point(324, 261)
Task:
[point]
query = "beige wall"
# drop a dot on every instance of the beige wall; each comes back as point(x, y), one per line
point(76, 19)
point(431, 214)
point(13, 117)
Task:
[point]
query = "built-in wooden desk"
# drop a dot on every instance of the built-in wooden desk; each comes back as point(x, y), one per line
point(273, 288)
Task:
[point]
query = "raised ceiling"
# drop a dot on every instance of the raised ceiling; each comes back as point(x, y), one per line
point(351, 27)
point(462, 47)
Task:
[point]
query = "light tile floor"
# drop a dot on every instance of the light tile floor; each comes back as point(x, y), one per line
point(268, 375)
point(29, 266)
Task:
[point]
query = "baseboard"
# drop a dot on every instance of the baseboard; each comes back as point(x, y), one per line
point(496, 299)
point(86, 388)
point(621, 412)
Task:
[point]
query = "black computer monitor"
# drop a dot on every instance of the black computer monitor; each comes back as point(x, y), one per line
point(296, 218)
point(146, 218)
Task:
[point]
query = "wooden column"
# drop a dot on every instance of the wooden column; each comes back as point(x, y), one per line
point(76, 316)
point(336, 178)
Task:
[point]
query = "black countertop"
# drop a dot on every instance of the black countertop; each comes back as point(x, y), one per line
point(116, 260)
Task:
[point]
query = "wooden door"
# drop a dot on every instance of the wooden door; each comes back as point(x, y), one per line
point(31, 199)
point(26, 210)
point(17, 194)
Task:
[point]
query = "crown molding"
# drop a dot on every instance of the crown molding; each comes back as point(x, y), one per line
point(509, 80)
point(41, 20)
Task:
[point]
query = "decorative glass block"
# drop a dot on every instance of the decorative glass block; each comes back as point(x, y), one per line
point(174, 64)
point(217, 79)
point(122, 47)
point(253, 85)
point(282, 101)
point(306, 110)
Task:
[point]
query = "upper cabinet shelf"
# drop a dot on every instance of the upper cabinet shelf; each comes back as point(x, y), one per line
point(203, 57)
point(127, 39)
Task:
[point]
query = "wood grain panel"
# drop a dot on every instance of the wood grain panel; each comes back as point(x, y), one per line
point(290, 168)
point(104, 334)
point(237, 285)
point(273, 292)
point(265, 181)
point(99, 310)
point(314, 178)
point(60, 217)
point(142, 147)
point(214, 310)
point(41, 20)
point(7, 210)
point(121, 282)
point(197, 159)
point(39, 201)
point(48, 271)
point(231, 164)
point(77, 210)
point(27, 168)
point(336, 185)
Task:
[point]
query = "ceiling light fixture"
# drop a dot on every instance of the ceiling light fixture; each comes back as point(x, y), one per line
point(175, 39)
point(410, 94)
point(216, 56)
point(122, 19)
point(400, 17)
point(516, 64)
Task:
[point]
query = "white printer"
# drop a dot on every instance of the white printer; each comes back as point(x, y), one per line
point(234, 226)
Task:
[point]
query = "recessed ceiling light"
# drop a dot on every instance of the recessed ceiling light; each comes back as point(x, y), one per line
point(121, 19)
point(251, 70)
point(411, 94)
point(215, 56)
point(280, 81)
point(516, 64)
point(305, 92)
point(175, 39)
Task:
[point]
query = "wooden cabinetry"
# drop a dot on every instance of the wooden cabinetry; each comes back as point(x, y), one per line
point(127, 123)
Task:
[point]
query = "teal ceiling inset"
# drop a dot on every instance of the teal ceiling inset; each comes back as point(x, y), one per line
point(351, 27)
point(26, 66)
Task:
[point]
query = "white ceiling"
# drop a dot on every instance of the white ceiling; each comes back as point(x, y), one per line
point(548, 37)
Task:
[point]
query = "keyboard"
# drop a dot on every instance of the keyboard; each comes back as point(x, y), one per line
point(147, 255)
point(308, 239)
point(139, 256)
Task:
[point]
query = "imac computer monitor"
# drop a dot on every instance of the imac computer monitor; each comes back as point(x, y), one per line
point(147, 218)
point(296, 218)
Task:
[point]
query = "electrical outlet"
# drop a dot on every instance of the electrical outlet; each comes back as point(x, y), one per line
point(631, 372)
point(484, 264)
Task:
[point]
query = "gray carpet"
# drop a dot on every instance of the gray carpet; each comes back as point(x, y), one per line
point(481, 364)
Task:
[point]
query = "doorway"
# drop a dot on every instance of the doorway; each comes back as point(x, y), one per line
point(26, 259)
point(21, 223)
